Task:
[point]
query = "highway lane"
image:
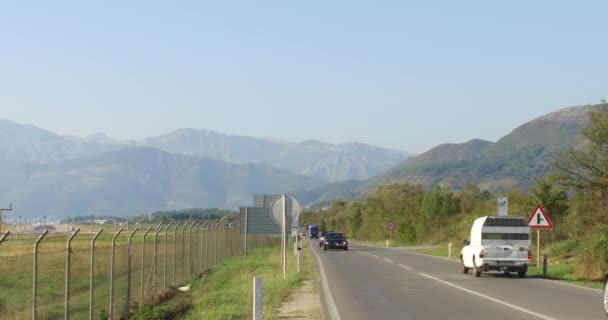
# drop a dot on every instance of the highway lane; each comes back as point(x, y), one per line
point(379, 283)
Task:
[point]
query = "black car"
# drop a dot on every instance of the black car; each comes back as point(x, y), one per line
point(335, 240)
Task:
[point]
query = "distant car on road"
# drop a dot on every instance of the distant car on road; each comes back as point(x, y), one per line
point(606, 294)
point(335, 240)
point(313, 231)
point(498, 243)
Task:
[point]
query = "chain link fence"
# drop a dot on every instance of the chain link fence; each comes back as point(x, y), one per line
point(107, 273)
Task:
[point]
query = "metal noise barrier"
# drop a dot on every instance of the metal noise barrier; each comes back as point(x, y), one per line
point(100, 268)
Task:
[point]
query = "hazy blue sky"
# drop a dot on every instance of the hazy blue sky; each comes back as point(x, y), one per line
point(395, 74)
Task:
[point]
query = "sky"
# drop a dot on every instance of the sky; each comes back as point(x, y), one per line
point(398, 74)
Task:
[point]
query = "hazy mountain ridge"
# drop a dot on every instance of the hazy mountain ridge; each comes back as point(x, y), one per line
point(28, 143)
point(317, 159)
point(136, 180)
point(330, 162)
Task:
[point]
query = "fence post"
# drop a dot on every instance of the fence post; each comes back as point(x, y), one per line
point(35, 275)
point(196, 247)
point(112, 273)
point(165, 259)
point(190, 250)
point(91, 273)
point(4, 236)
point(216, 238)
point(154, 263)
point(68, 258)
point(224, 246)
point(181, 274)
point(213, 228)
point(207, 228)
point(175, 248)
point(130, 249)
point(143, 264)
point(203, 225)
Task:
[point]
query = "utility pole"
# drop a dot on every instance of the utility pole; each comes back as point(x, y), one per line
point(10, 208)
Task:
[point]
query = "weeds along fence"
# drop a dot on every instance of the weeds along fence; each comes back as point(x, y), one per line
point(107, 273)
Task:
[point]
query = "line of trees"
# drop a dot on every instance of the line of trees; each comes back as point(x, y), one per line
point(575, 196)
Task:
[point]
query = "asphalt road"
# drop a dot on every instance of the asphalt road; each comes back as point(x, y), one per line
point(379, 283)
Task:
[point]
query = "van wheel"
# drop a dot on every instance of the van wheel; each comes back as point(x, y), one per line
point(476, 269)
point(465, 270)
point(324, 248)
point(521, 274)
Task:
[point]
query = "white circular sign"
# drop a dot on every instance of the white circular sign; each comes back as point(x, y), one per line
point(292, 209)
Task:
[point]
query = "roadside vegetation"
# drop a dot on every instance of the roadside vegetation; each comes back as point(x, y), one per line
point(226, 291)
point(575, 196)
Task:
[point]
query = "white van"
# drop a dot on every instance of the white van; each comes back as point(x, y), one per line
point(498, 244)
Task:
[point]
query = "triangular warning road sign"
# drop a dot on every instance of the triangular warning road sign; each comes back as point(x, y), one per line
point(539, 219)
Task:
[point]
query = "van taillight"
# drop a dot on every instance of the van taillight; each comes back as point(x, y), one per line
point(529, 255)
point(481, 255)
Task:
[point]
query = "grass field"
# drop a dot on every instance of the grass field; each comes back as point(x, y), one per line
point(225, 292)
point(192, 255)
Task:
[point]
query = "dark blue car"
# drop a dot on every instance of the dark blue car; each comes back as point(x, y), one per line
point(335, 240)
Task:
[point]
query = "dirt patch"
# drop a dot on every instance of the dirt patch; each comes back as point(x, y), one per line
point(303, 303)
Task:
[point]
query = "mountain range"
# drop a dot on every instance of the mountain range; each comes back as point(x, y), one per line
point(43, 173)
point(516, 160)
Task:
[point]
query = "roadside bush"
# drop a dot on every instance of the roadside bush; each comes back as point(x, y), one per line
point(593, 259)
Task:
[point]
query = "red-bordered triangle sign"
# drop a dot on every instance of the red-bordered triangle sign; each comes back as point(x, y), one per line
point(539, 219)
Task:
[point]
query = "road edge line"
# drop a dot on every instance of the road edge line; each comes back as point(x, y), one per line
point(524, 310)
point(562, 282)
point(332, 309)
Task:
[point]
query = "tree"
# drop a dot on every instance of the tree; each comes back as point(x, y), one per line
point(553, 198)
point(585, 167)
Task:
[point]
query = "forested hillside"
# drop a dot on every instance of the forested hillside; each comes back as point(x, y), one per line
point(575, 196)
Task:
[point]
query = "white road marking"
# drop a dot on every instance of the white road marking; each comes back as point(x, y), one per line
point(329, 299)
point(375, 256)
point(405, 267)
point(524, 310)
point(387, 260)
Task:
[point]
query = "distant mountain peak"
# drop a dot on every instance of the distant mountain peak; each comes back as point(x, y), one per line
point(100, 137)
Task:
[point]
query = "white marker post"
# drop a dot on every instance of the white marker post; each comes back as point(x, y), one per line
point(258, 298)
point(450, 250)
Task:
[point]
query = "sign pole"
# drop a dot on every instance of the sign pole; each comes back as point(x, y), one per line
point(284, 239)
point(538, 247)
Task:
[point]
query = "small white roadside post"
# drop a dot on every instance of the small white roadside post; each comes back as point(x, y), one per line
point(257, 298)
point(450, 250)
point(299, 260)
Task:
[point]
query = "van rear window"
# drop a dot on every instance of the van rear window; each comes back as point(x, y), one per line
point(505, 236)
point(505, 222)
